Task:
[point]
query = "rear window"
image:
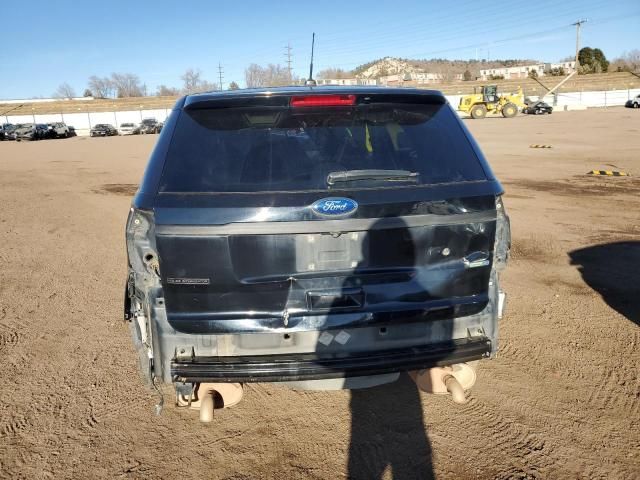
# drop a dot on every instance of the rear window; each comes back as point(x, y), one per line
point(296, 149)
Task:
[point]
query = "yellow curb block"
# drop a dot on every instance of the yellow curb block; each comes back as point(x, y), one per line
point(535, 145)
point(609, 173)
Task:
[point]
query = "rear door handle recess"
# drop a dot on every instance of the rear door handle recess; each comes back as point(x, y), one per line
point(476, 259)
point(345, 298)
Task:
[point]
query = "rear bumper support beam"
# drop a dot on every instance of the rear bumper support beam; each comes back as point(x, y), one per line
point(311, 366)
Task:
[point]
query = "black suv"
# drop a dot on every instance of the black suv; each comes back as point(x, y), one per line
point(326, 237)
point(149, 125)
point(103, 130)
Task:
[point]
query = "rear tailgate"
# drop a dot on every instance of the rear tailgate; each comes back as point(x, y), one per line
point(242, 248)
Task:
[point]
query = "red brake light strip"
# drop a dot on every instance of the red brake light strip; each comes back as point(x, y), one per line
point(322, 100)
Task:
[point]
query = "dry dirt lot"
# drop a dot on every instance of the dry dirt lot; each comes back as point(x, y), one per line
point(561, 400)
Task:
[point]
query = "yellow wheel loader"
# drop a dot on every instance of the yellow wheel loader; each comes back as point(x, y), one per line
point(479, 104)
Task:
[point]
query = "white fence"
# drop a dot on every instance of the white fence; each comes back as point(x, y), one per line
point(83, 122)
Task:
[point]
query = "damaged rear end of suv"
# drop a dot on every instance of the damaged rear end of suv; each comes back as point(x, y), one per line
point(317, 237)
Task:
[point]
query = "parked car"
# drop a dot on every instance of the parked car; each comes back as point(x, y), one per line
point(537, 108)
point(42, 130)
point(324, 237)
point(128, 129)
point(58, 130)
point(31, 131)
point(633, 102)
point(103, 130)
point(150, 125)
point(9, 131)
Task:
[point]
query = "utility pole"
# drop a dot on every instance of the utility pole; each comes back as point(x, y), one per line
point(220, 74)
point(288, 56)
point(578, 24)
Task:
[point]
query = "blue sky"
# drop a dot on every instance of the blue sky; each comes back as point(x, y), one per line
point(158, 40)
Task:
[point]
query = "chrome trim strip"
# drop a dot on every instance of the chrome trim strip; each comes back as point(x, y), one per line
point(323, 226)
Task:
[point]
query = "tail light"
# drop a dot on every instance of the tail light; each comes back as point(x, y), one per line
point(141, 242)
point(322, 100)
point(503, 235)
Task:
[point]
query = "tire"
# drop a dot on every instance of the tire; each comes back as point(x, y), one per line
point(636, 104)
point(478, 111)
point(509, 110)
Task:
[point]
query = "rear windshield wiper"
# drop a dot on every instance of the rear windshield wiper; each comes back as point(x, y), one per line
point(390, 175)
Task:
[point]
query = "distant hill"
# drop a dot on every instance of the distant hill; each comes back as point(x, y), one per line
point(448, 68)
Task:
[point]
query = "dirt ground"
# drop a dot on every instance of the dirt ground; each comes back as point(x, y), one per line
point(562, 400)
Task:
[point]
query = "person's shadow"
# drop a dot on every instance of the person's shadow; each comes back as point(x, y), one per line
point(387, 424)
point(387, 431)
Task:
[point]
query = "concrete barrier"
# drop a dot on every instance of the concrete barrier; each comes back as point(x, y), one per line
point(83, 122)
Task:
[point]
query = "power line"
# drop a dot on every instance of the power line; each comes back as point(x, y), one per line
point(494, 43)
point(444, 33)
point(426, 31)
point(288, 57)
point(578, 24)
point(220, 75)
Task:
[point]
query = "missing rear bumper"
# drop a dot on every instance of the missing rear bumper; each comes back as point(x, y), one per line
point(311, 366)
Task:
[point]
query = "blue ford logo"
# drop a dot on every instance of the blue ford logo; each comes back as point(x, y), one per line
point(335, 207)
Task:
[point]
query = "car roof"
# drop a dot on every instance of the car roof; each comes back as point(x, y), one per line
point(309, 90)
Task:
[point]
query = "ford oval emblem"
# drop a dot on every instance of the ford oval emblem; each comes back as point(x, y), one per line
point(334, 207)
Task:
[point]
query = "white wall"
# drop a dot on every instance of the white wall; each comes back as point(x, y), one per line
point(83, 122)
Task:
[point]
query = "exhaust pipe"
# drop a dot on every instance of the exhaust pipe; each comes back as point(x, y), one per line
point(207, 397)
point(455, 389)
point(453, 380)
point(207, 406)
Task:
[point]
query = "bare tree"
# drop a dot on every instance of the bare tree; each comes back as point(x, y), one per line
point(269, 76)
point(194, 83)
point(253, 76)
point(126, 85)
point(628, 62)
point(334, 73)
point(191, 80)
point(632, 59)
point(65, 91)
point(102, 87)
point(164, 91)
point(234, 86)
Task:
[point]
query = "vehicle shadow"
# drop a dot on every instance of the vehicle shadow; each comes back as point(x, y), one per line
point(387, 422)
point(613, 270)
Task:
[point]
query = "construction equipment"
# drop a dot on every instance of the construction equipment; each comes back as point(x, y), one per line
point(549, 91)
point(487, 100)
